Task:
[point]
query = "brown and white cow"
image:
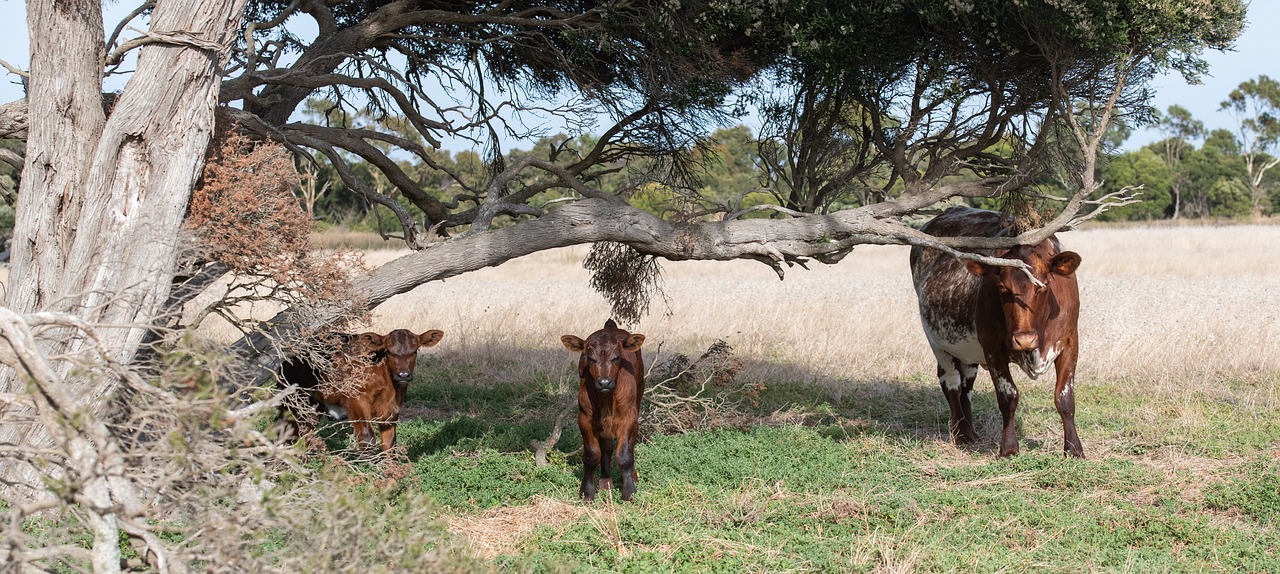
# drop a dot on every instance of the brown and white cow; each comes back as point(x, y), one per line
point(370, 377)
point(610, 385)
point(975, 314)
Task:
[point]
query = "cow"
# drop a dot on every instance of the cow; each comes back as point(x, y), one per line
point(977, 314)
point(610, 385)
point(370, 377)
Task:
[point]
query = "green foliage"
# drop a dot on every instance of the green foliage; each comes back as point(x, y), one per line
point(730, 166)
point(1255, 493)
point(1144, 168)
point(1256, 104)
point(1229, 198)
point(6, 219)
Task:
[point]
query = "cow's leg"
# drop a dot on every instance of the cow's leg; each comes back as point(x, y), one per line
point(627, 464)
point(607, 446)
point(387, 434)
point(360, 414)
point(956, 380)
point(1007, 398)
point(590, 459)
point(968, 374)
point(1064, 398)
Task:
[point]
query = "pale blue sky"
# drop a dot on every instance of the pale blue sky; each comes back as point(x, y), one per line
point(1257, 52)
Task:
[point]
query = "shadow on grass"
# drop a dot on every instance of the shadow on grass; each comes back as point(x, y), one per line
point(459, 404)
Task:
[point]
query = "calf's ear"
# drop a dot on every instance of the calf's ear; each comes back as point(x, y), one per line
point(632, 344)
point(573, 343)
point(430, 338)
point(371, 342)
point(974, 267)
point(1065, 263)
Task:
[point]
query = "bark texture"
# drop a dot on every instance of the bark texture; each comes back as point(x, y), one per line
point(102, 198)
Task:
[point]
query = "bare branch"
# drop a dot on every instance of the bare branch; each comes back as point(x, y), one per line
point(755, 208)
point(12, 158)
point(13, 118)
point(173, 38)
point(115, 34)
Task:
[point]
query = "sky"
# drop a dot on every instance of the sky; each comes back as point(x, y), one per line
point(1256, 52)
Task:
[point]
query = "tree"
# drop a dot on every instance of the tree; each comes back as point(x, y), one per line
point(1217, 159)
point(1255, 106)
point(105, 181)
point(1139, 168)
point(936, 101)
point(1179, 128)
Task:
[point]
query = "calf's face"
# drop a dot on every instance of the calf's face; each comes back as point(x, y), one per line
point(399, 349)
point(601, 355)
point(1027, 306)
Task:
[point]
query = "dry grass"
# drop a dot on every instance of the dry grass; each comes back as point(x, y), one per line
point(1179, 305)
point(337, 238)
point(502, 530)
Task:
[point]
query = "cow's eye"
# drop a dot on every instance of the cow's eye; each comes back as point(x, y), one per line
point(617, 359)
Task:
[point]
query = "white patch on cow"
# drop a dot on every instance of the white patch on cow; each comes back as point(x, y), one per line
point(955, 373)
point(336, 412)
point(1034, 364)
point(1005, 386)
point(961, 343)
point(1066, 390)
point(950, 377)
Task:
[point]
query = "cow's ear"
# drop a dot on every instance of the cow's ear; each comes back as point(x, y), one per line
point(633, 343)
point(430, 338)
point(1065, 263)
point(573, 343)
point(975, 268)
point(371, 342)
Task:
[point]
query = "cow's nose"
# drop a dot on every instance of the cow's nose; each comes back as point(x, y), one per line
point(403, 376)
point(1025, 341)
point(604, 384)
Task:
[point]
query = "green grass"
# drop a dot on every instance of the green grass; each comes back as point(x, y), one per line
point(868, 482)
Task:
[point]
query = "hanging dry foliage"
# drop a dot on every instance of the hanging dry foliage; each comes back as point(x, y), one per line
point(627, 278)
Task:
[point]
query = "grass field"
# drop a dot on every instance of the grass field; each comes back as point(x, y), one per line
point(842, 463)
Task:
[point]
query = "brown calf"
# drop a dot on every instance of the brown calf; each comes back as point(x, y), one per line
point(975, 314)
point(611, 382)
point(373, 373)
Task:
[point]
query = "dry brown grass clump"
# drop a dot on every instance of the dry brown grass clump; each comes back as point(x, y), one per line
point(504, 529)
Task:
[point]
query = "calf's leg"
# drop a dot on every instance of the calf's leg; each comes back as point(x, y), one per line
point(387, 434)
point(627, 465)
point(590, 460)
point(360, 415)
point(607, 446)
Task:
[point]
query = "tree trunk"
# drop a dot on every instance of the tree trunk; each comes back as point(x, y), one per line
point(102, 198)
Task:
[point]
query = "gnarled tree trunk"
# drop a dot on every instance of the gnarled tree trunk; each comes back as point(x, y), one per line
point(103, 195)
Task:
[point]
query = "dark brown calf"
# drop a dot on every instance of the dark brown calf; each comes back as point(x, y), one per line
point(611, 382)
point(373, 373)
point(975, 314)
